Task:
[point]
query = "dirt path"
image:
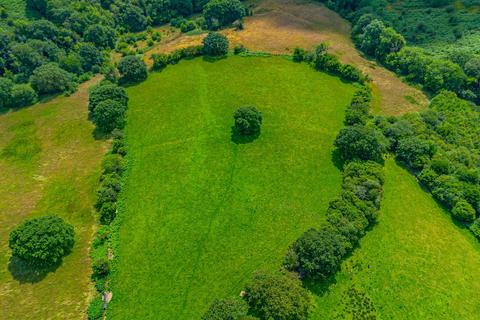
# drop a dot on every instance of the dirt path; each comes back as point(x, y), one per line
point(278, 26)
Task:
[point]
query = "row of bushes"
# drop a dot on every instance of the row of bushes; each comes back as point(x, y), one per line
point(321, 60)
point(441, 147)
point(106, 206)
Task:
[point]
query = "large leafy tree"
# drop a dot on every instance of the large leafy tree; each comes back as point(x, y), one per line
point(43, 241)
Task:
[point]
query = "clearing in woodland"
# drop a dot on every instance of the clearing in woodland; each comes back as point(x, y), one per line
point(201, 213)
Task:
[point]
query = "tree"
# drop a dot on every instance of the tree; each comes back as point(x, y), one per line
point(390, 42)
point(109, 115)
point(472, 67)
point(106, 91)
point(6, 86)
point(415, 151)
point(226, 309)
point(23, 95)
point(247, 121)
point(43, 241)
point(317, 253)
point(100, 35)
point(444, 74)
point(215, 44)
point(50, 78)
point(278, 296)
point(132, 18)
point(220, 13)
point(90, 56)
point(132, 69)
point(359, 142)
point(463, 211)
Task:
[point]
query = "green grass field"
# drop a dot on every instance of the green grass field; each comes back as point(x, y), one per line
point(201, 213)
point(414, 264)
point(49, 164)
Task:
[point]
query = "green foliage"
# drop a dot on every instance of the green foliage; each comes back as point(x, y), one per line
point(248, 121)
point(220, 13)
point(416, 152)
point(277, 296)
point(109, 115)
point(475, 228)
point(215, 44)
point(106, 91)
point(317, 253)
point(226, 309)
point(101, 36)
point(112, 164)
point(101, 268)
point(95, 309)
point(23, 95)
point(43, 241)
point(6, 86)
point(132, 69)
point(160, 61)
point(359, 142)
point(90, 56)
point(463, 211)
point(50, 78)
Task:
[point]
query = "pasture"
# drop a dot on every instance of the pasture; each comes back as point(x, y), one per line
point(50, 163)
point(200, 212)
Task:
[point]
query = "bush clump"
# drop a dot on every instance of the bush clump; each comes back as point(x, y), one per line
point(132, 69)
point(106, 91)
point(109, 115)
point(50, 78)
point(215, 44)
point(277, 296)
point(42, 242)
point(359, 142)
point(226, 309)
point(248, 121)
point(463, 211)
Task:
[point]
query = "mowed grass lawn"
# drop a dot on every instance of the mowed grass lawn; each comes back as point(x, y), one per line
point(49, 164)
point(414, 264)
point(201, 213)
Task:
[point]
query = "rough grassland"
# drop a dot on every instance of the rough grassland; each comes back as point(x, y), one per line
point(414, 264)
point(278, 26)
point(49, 164)
point(201, 213)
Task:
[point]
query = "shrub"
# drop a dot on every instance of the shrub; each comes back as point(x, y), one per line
point(359, 142)
point(23, 95)
point(247, 121)
point(317, 253)
point(299, 54)
point(112, 163)
point(95, 309)
point(463, 211)
point(219, 13)
point(106, 91)
point(239, 49)
point(107, 212)
point(109, 115)
point(50, 78)
point(277, 296)
point(475, 228)
point(101, 36)
point(415, 151)
point(90, 56)
point(215, 44)
point(132, 69)
point(42, 241)
point(6, 86)
point(160, 61)
point(101, 268)
point(226, 309)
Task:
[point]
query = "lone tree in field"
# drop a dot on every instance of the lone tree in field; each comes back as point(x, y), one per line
point(247, 121)
point(215, 44)
point(42, 242)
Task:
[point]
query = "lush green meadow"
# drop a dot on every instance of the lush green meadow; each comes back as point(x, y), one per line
point(49, 164)
point(414, 264)
point(201, 213)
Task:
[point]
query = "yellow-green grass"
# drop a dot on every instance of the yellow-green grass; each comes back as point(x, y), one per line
point(200, 213)
point(414, 264)
point(49, 164)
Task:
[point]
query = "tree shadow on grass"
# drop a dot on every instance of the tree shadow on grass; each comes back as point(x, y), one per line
point(214, 59)
point(239, 138)
point(337, 159)
point(319, 287)
point(25, 273)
